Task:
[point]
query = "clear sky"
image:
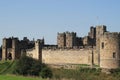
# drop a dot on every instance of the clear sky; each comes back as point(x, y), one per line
point(44, 18)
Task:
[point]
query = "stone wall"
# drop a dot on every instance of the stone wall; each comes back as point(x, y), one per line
point(32, 53)
point(35, 52)
point(65, 56)
point(95, 57)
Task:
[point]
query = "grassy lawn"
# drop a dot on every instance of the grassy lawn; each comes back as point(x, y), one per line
point(13, 77)
point(83, 74)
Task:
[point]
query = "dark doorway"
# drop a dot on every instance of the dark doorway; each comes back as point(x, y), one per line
point(9, 56)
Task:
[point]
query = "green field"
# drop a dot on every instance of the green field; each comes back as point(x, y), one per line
point(13, 77)
point(6, 68)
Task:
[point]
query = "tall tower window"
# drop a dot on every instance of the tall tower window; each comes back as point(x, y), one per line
point(102, 45)
point(114, 55)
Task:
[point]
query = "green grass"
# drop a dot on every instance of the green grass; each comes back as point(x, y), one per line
point(13, 77)
point(6, 67)
point(82, 74)
point(3, 65)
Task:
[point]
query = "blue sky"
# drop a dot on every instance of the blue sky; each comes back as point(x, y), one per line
point(44, 18)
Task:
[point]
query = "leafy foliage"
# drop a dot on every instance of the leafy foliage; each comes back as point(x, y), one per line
point(115, 72)
point(46, 73)
point(77, 74)
point(27, 66)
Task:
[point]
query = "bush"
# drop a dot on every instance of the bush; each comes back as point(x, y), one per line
point(115, 72)
point(27, 66)
point(46, 73)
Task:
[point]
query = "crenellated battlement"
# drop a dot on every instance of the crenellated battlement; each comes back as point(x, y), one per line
point(111, 34)
point(61, 34)
point(70, 33)
point(101, 27)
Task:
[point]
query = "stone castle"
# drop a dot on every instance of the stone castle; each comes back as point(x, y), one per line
point(99, 47)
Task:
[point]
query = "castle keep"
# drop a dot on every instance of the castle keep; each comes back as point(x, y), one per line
point(99, 47)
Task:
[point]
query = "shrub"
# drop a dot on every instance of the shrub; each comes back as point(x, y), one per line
point(27, 66)
point(46, 73)
point(115, 72)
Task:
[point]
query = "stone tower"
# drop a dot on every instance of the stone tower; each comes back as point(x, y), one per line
point(70, 39)
point(100, 30)
point(92, 36)
point(15, 49)
point(110, 50)
point(92, 33)
point(61, 40)
point(66, 39)
point(4, 49)
point(38, 49)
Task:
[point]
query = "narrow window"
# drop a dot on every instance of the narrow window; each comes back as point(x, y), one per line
point(114, 55)
point(102, 45)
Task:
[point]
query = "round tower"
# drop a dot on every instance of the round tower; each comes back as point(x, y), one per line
point(110, 50)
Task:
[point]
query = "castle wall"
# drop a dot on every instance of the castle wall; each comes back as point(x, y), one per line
point(36, 51)
point(110, 50)
point(32, 53)
point(95, 57)
point(80, 56)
